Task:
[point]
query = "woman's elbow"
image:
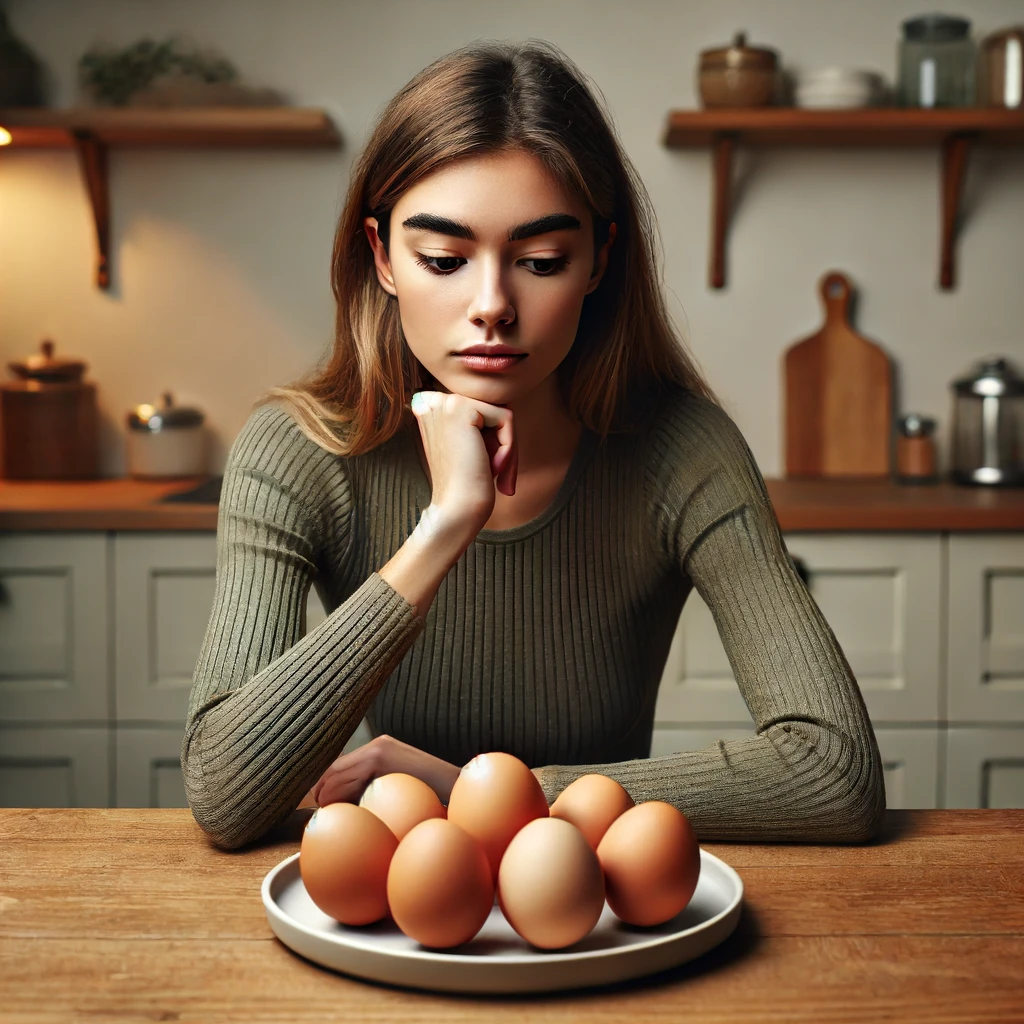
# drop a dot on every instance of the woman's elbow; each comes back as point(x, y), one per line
point(858, 813)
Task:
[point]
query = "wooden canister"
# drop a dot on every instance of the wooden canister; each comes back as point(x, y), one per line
point(48, 421)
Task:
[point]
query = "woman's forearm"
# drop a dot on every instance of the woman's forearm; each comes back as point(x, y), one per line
point(416, 570)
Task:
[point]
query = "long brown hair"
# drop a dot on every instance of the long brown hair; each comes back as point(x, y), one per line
point(488, 97)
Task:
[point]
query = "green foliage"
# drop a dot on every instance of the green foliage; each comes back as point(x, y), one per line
point(113, 76)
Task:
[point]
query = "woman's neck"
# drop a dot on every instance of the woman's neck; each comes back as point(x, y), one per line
point(545, 431)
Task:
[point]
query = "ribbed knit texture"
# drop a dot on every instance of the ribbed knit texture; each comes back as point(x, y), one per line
point(547, 640)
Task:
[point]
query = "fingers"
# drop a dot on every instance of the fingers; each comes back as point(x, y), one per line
point(495, 422)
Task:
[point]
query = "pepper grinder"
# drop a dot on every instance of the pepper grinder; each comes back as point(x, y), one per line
point(915, 450)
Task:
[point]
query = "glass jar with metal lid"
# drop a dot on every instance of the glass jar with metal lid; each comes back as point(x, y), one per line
point(166, 440)
point(936, 62)
point(988, 425)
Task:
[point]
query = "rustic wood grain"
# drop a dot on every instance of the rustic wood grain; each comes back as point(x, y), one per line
point(800, 504)
point(887, 127)
point(837, 396)
point(132, 915)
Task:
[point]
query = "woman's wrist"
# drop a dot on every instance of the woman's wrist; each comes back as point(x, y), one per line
point(434, 546)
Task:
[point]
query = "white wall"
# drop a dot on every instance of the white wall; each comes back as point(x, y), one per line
point(221, 259)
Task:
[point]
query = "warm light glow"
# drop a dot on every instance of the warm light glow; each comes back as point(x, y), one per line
point(5, 137)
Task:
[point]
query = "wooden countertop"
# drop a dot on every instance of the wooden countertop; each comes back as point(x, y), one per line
point(801, 505)
point(131, 914)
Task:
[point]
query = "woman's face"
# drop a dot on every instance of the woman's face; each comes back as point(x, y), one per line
point(490, 260)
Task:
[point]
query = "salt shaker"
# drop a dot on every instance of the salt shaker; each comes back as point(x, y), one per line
point(915, 450)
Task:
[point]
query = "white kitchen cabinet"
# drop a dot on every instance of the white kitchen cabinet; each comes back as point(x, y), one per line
point(986, 629)
point(54, 627)
point(163, 593)
point(909, 757)
point(933, 626)
point(984, 767)
point(148, 767)
point(881, 594)
point(52, 766)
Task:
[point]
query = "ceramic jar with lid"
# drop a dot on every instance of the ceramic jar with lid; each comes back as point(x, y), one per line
point(166, 440)
point(936, 62)
point(1001, 75)
point(48, 420)
point(738, 75)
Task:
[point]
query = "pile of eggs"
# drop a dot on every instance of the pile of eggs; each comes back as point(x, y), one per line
point(436, 873)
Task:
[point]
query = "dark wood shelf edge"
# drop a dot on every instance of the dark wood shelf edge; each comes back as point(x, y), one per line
point(955, 131)
point(92, 132)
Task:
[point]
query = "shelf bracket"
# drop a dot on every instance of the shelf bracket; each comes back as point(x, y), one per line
point(92, 158)
point(955, 150)
point(722, 146)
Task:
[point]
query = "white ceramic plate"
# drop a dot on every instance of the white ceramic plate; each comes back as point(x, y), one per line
point(497, 959)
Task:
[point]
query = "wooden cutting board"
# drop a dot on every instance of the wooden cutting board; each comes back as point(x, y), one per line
point(837, 396)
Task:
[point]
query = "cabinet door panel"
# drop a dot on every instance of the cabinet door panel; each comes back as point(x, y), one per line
point(909, 757)
point(148, 767)
point(881, 595)
point(55, 767)
point(986, 629)
point(985, 767)
point(163, 596)
point(53, 627)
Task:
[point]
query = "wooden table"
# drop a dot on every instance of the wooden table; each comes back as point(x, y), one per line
point(131, 915)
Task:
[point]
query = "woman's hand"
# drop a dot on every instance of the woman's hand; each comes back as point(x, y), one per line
point(470, 448)
point(351, 773)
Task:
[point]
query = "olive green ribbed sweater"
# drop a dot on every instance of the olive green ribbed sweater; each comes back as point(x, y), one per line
point(547, 640)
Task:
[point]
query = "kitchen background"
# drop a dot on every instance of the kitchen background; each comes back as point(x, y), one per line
point(220, 258)
point(220, 290)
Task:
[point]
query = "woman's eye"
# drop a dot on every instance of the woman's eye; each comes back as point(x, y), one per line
point(547, 266)
point(440, 264)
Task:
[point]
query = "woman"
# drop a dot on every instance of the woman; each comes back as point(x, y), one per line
point(504, 483)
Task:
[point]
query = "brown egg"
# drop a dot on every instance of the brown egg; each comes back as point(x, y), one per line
point(550, 886)
point(401, 801)
point(344, 859)
point(494, 796)
point(651, 863)
point(591, 803)
point(439, 887)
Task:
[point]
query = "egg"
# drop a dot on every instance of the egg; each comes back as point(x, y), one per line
point(344, 859)
point(651, 863)
point(591, 803)
point(550, 885)
point(494, 796)
point(401, 801)
point(439, 886)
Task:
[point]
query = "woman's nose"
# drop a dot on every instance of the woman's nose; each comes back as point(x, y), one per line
point(491, 304)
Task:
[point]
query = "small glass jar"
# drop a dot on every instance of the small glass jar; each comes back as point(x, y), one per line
point(915, 450)
point(936, 62)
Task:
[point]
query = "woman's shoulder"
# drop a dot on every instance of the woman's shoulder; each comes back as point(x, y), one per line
point(685, 426)
point(271, 435)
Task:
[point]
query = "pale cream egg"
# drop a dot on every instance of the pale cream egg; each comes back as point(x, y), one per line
point(550, 885)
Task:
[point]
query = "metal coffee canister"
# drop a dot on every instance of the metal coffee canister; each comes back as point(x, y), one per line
point(48, 420)
point(988, 425)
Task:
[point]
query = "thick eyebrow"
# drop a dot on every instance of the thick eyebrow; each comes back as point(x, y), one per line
point(456, 229)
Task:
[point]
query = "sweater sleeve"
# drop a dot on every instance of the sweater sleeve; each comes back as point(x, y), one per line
point(812, 771)
point(270, 708)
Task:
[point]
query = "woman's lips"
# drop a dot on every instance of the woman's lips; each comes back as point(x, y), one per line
point(499, 363)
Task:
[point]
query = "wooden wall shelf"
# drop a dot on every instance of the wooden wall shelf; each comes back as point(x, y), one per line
point(953, 131)
point(92, 132)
